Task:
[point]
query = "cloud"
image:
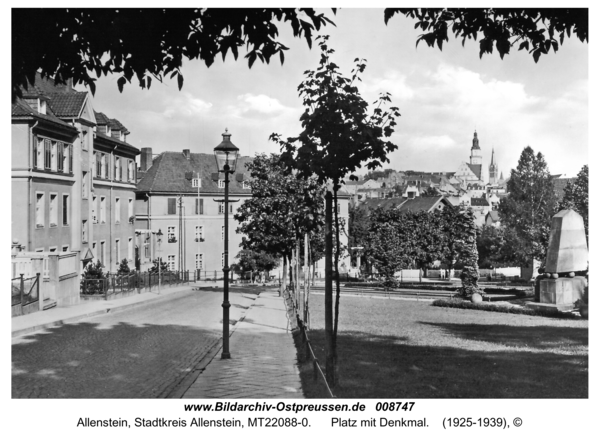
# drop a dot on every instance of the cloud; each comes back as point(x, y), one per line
point(393, 82)
point(259, 103)
point(185, 105)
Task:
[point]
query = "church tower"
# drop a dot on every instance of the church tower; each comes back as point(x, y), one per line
point(476, 157)
point(493, 170)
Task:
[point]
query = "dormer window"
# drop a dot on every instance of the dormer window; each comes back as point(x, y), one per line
point(41, 106)
point(221, 183)
point(108, 131)
point(121, 136)
point(245, 185)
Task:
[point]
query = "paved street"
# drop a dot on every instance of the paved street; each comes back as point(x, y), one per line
point(143, 352)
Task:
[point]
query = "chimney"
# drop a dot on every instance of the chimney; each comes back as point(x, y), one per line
point(186, 154)
point(146, 159)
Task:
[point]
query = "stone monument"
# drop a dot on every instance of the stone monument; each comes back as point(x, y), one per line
point(566, 263)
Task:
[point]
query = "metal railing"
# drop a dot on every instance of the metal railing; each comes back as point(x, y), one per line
point(114, 284)
point(24, 291)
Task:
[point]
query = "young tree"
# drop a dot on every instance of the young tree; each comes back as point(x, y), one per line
point(164, 266)
point(123, 267)
point(256, 262)
point(338, 137)
point(467, 252)
point(576, 196)
point(528, 209)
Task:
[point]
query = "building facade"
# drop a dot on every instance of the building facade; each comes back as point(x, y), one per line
point(58, 180)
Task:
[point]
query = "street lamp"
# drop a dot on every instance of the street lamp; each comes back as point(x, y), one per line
point(159, 241)
point(226, 154)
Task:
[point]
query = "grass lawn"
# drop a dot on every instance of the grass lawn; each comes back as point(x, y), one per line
point(408, 349)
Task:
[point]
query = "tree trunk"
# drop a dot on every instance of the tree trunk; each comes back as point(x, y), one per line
point(336, 274)
point(329, 345)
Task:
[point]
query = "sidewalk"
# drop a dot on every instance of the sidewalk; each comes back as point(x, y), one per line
point(263, 361)
point(63, 315)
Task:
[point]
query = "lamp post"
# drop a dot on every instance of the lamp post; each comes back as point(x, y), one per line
point(159, 241)
point(226, 154)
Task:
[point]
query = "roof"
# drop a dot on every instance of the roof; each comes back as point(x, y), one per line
point(476, 169)
point(21, 110)
point(422, 203)
point(493, 215)
point(385, 203)
point(479, 202)
point(168, 174)
point(103, 119)
point(113, 140)
point(67, 104)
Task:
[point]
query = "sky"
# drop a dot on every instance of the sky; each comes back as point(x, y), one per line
point(443, 97)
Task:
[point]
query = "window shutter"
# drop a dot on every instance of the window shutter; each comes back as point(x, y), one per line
point(60, 156)
point(171, 206)
point(70, 149)
point(35, 152)
point(239, 177)
point(215, 176)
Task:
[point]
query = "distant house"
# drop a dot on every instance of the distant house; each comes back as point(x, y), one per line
point(422, 203)
point(481, 207)
point(492, 218)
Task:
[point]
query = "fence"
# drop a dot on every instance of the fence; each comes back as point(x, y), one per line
point(114, 284)
point(25, 294)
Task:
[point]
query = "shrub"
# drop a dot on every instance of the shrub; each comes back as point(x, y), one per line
point(458, 303)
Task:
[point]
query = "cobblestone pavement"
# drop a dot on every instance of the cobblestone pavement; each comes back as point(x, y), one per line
point(263, 360)
point(142, 352)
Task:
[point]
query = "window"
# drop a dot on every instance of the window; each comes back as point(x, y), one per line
point(199, 206)
point(95, 165)
point(171, 262)
point(171, 235)
point(61, 157)
point(39, 210)
point(94, 209)
point(199, 262)
point(245, 185)
point(84, 231)
point(84, 140)
point(65, 248)
point(199, 233)
point(94, 250)
point(117, 210)
point(102, 209)
point(102, 251)
point(222, 208)
point(53, 157)
point(47, 154)
point(53, 210)
point(221, 183)
point(130, 248)
point(104, 167)
point(171, 205)
point(42, 106)
point(84, 185)
point(196, 182)
point(68, 158)
point(130, 217)
point(39, 154)
point(117, 169)
point(339, 208)
point(118, 250)
point(66, 210)
point(99, 165)
point(52, 249)
point(130, 171)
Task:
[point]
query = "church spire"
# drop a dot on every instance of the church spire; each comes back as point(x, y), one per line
point(475, 141)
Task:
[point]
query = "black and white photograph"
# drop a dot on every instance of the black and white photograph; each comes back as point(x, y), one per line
point(300, 219)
